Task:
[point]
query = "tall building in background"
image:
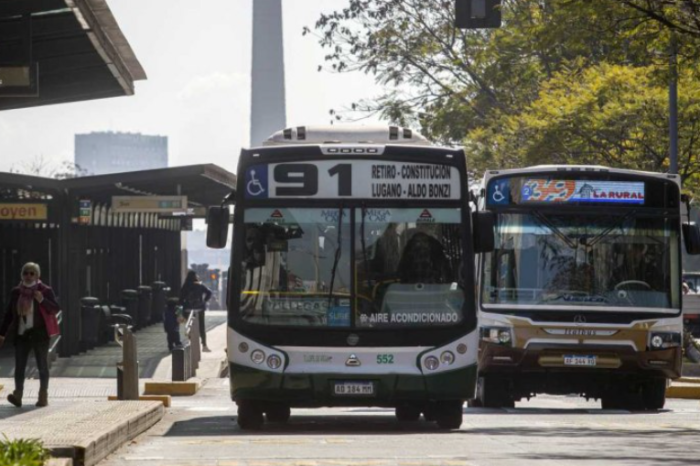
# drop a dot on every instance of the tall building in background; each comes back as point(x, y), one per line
point(107, 152)
point(268, 108)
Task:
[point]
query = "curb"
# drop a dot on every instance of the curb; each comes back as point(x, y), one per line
point(188, 388)
point(165, 399)
point(688, 392)
point(86, 433)
point(60, 462)
point(693, 380)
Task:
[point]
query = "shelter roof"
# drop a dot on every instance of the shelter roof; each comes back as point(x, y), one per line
point(204, 185)
point(78, 46)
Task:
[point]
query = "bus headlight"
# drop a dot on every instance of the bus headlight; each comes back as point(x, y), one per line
point(274, 361)
point(663, 340)
point(257, 356)
point(243, 347)
point(498, 335)
point(431, 363)
point(447, 357)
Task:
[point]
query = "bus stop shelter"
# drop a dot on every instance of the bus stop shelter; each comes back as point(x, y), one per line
point(88, 247)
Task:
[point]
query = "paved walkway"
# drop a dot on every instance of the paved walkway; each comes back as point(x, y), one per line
point(101, 362)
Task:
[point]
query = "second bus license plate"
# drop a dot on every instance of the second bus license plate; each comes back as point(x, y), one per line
point(354, 388)
point(578, 360)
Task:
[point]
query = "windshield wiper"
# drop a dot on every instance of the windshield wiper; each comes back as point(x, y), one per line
point(338, 252)
point(364, 245)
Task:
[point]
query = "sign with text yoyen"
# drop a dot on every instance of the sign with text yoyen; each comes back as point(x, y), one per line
point(18, 211)
point(149, 204)
point(360, 179)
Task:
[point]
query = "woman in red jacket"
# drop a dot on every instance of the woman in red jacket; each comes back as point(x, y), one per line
point(31, 317)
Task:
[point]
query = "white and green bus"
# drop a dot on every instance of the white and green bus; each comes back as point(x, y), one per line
point(352, 277)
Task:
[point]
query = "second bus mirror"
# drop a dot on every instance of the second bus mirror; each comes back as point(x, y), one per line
point(691, 235)
point(484, 224)
point(217, 227)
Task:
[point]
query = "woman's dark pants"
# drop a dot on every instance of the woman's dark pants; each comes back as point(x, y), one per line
point(24, 344)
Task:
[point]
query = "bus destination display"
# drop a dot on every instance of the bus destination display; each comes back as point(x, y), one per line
point(547, 191)
point(362, 179)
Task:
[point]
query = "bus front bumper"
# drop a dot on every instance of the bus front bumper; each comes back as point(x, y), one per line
point(618, 360)
point(317, 390)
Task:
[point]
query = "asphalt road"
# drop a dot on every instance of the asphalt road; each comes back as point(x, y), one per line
point(201, 430)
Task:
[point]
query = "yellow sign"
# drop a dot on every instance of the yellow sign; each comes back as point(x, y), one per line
point(24, 212)
point(149, 204)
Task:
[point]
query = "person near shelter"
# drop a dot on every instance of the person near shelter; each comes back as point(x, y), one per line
point(194, 296)
point(30, 317)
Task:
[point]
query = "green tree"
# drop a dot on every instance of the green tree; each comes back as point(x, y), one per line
point(572, 81)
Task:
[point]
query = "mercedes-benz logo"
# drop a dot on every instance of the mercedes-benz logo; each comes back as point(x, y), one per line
point(353, 339)
point(579, 319)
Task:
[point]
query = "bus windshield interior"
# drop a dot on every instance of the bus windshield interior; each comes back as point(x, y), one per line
point(407, 266)
point(297, 266)
point(573, 260)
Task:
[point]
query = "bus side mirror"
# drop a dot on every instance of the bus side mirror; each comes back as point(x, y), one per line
point(691, 236)
point(217, 227)
point(484, 224)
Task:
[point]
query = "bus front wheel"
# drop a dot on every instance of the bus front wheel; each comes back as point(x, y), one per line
point(494, 392)
point(654, 394)
point(250, 416)
point(407, 413)
point(449, 415)
point(278, 413)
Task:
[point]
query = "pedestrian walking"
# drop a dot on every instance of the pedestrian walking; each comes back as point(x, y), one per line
point(194, 296)
point(30, 317)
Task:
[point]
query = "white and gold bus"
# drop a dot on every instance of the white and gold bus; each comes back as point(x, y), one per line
point(582, 293)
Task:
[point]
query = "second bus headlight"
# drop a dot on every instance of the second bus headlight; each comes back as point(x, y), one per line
point(498, 335)
point(663, 340)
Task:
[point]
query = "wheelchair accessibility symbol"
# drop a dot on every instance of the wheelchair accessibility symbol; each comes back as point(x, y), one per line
point(254, 187)
point(256, 182)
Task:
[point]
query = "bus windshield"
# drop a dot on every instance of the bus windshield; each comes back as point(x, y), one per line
point(296, 267)
point(575, 261)
point(407, 266)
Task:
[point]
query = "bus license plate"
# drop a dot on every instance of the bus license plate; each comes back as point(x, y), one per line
point(354, 388)
point(578, 360)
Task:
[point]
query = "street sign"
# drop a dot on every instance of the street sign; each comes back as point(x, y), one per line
point(477, 14)
point(19, 80)
point(149, 204)
point(85, 212)
point(18, 211)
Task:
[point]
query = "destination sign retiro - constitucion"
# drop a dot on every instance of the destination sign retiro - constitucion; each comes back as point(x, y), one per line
point(362, 179)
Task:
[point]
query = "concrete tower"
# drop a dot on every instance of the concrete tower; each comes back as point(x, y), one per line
point(268, 110)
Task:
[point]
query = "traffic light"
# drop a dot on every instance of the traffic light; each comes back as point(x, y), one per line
point(477, 14)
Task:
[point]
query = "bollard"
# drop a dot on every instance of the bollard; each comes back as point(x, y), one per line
point(130, 301)
point(160, 294)
point(194, 337)
point(145, 304)
point(89, 323)
point(128, 367)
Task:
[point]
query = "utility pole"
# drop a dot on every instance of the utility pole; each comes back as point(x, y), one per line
point(673, 106)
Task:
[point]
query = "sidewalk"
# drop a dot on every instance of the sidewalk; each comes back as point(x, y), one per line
point(79, 422)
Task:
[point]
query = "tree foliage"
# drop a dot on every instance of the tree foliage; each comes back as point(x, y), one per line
point(570, 81)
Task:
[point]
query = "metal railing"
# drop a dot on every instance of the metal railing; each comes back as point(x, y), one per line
point(55, 340)
point(186, 358)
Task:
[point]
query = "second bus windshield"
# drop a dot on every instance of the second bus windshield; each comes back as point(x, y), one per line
point(569, 259)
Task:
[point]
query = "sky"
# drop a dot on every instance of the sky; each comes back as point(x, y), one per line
point(197, 56)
